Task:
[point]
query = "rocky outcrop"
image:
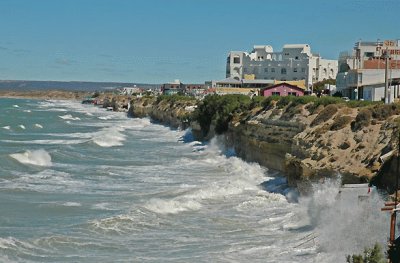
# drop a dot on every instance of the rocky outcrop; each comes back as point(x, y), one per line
point(172, 113)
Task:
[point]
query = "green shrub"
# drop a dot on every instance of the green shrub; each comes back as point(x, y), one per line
point(361, 103)
point(371, 255)
point(363, 119)
point(172, 99)
point(383, 111)
point(291, 110)
point(340, 122)
point(324, 101)
point(326, 114)
point(221, 110)
point(257, 101)
point(270, 101)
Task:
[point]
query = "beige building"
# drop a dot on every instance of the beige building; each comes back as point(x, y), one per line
point(362, 71)
point(295, 62)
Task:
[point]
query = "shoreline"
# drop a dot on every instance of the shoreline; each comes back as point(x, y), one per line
point(314, 153)
point(45, 94)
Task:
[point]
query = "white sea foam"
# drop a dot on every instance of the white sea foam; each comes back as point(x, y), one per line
point(103, 206)
point(72, 204)
point(6, 127)
point(28, 111)
point(48, 181)
point(37, 157)
point(69, 117)
point(109, 137)
point(242, 177)
point(344, 227)
point(22, 126)
point(15, 106)
point(105, 117)
point(136, 220)
point(37, 125)
point(172, 206)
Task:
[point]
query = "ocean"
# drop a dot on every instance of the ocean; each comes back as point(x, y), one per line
point(82, 184)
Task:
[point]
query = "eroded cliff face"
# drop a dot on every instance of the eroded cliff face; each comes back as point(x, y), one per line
point(308, 147)
point(173, 114)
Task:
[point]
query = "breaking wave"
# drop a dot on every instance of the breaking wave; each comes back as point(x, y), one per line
point(109, 137)
point(37, 157)
point(69, 117)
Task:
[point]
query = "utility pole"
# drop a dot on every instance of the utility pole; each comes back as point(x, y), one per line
point(387, 90)
point(392, 207)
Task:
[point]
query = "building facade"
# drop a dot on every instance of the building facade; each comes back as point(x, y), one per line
point(172, 88)
point(362, 71)
point(293, 63)
point(283, 89)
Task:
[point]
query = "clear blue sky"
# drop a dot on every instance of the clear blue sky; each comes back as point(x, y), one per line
point(154, 41)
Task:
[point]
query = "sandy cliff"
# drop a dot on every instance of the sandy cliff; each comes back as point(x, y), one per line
point(308, 146)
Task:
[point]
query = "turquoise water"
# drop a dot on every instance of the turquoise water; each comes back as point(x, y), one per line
point(81, 184)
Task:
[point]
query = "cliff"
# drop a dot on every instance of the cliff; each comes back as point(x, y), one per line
point(327, 141)
point(305, 142)
point(168, 111)
point(309, 142)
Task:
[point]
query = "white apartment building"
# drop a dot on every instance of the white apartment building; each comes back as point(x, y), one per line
point(362, 71)
point(295, 62)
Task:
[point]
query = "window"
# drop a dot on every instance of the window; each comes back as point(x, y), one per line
point(276, 93)
point(296, 58)
point(360, 78)
point(236, 60)
point(272, 69)
point(303, 70)
point(292, 94)
point(286, 54)
point(266, 70)
point(283, 71)
point(294, 69)
point(245, 70)
point(369, 54)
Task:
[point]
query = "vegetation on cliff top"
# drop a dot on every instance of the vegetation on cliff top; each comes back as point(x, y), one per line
point(371, 255)
point(220, 110)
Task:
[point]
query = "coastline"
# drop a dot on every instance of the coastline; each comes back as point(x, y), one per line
point(45, 94)
point(304, 153)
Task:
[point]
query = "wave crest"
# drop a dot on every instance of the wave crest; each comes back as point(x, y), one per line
point(37, 157)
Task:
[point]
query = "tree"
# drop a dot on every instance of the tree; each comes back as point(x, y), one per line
point(318, 87)
point(371, 255)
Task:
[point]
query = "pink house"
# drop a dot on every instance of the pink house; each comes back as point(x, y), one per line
point(283, 89)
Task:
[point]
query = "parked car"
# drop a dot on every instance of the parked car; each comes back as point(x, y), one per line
point(345, 98)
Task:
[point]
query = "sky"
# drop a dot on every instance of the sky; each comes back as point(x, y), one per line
point(157, 41)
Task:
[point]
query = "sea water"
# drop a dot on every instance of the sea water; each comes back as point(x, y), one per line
point(81, 184)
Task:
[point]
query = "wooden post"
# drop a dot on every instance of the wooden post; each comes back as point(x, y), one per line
point(392, 228)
